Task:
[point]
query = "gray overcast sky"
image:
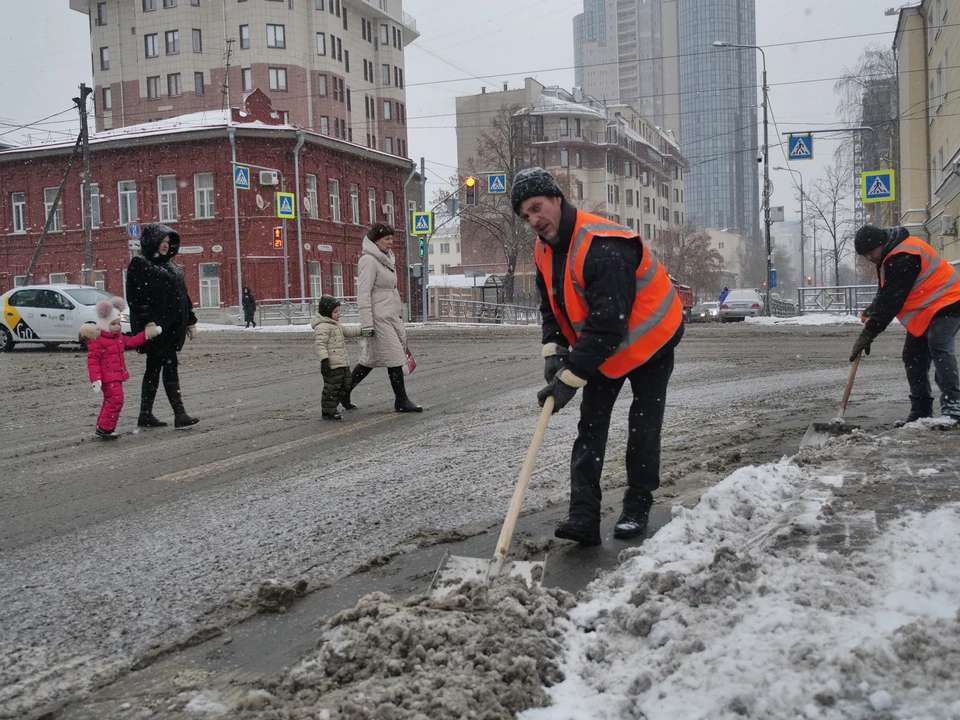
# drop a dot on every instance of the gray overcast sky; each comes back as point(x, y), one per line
point(45, 53)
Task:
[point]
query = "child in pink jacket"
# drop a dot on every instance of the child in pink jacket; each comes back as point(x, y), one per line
point(108, 369)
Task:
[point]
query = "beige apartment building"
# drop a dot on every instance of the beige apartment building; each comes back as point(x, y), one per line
point(730, 246)
point(612, 160)
point(333, 67)
point(927, 44)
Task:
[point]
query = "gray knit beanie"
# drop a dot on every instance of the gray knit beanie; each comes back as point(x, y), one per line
point(532, 182)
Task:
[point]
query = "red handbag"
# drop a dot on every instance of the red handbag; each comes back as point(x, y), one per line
point(411, 364)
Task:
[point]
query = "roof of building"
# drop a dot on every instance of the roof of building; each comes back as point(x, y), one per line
point(554, 100)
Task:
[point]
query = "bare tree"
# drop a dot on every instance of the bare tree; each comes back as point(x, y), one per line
point(832, 212)
point(868, 96)
point(686, 255)
point(502, 147)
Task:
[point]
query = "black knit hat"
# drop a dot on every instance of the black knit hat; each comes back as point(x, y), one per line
point(869, 238)
point(327, 304)
point(532, 182)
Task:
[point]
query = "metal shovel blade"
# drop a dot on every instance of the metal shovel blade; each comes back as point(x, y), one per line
point(454, 570)
point(818, 434)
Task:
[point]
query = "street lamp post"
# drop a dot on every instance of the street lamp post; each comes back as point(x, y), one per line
point(803, 275)
point(720, 44)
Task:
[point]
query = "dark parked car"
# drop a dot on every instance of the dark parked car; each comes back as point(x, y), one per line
point(705, 312)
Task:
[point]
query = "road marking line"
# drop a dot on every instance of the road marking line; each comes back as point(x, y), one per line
point(220, 466)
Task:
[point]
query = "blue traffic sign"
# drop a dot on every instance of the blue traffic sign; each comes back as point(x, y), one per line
point(497, 184)
point(286, 205)
point(800, 147)
point(241, 177)
point(133, 230)
point(877, 186)
point(422, 223)
point(773, 277)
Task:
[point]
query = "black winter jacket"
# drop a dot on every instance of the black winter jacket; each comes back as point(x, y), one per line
point(248, 301)
point(610, 276)
point(900, 273)
point(157, 292)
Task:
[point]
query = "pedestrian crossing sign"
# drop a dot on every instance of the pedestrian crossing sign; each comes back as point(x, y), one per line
point(800, 147)
point(422, 223)
point(497, 184)
point(286, 205)
point(241, 177)
point(878, 186)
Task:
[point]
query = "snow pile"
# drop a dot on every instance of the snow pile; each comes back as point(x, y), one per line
point(808, 319)
point(732, 611)
point(485, 651)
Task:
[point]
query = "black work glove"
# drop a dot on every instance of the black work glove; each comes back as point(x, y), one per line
point(553, 358)
point(862, 344)
point(563, 387)
point(325, 366)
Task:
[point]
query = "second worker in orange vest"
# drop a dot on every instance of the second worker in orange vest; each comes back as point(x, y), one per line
point(609, 314)
point(922, 290)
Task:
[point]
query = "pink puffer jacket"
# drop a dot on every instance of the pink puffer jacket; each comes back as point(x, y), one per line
point(105, 355)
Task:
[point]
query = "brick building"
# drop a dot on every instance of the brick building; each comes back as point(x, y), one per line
point(339, 72)
point(179, 171)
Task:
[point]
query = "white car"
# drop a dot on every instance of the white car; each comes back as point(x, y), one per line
point(741, 304)
point(49, 314)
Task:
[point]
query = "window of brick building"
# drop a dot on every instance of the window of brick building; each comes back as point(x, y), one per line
point(167, 189)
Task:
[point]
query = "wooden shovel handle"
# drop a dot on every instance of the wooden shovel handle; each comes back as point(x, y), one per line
point(513, 512)
point(846, 393)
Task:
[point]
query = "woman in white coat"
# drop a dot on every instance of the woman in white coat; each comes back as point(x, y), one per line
point(384, 337)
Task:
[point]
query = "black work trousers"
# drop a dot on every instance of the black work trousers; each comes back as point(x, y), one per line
point(649, 385)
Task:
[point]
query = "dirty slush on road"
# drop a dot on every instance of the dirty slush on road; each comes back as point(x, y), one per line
point(489, 651)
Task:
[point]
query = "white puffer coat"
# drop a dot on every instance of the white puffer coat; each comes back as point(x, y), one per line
point(329, 340)
point(380, 308)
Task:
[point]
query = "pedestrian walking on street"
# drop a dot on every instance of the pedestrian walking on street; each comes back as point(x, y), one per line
point(106, 365)
point(610, 314)
point(332, 354)
point(723, 294)
point(922, 290)
point(381, 324)
point(249, 303)
point(157, 294)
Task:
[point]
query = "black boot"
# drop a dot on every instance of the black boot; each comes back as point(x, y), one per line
point(180, 417)
point(148, 393)
point(579, 529)
point(401, 402)
point(347, 405)
point(331, 416)
point(919, 408)
point(631, 524)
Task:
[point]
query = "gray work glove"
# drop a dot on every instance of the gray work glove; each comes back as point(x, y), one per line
point(553, 358)
point(366, 332)
point(862, 345)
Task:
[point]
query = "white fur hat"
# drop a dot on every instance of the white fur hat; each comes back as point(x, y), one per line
point(108, 311)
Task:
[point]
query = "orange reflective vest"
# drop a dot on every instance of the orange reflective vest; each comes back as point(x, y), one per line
point(937, 285)
point(657, 311)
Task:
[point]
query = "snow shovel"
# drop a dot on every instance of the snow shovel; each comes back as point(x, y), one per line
point(455, 570)
point(818, 434)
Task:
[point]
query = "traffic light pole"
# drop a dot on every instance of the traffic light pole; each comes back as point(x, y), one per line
point(283, 224)
point(425, 260)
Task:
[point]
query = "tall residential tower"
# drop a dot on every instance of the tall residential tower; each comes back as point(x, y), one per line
point(718, 112)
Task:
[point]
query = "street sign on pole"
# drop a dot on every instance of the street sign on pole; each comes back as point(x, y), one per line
point(877, 186)
point(497, 184)
point(773, 277)
point(800, 147)
point(241, 177)
point(286, 205)
point(133, 230)
point(422, 223)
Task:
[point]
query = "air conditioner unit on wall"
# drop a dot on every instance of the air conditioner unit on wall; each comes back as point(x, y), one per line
point(269, 177)
point(386, 209)
point(947, 225)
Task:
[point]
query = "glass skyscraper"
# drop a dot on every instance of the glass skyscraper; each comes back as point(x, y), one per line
point(719, 114)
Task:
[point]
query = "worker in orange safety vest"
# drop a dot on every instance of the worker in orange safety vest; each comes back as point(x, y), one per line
point(609, 314)
point(922, 290)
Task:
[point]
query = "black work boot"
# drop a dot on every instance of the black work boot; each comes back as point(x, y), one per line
point(180, 417)
point(401, 403)
point(331, 416)
point(919, 408)
point(579, 529)
point(148, 394)
point(631, 524)
point(347, 405)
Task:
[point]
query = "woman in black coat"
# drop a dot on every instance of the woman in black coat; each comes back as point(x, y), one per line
point(157, 295)
point(249, 303)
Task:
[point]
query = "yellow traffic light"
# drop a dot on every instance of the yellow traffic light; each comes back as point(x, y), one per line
point(278, 237)
point(470, 194)
point(470, 181)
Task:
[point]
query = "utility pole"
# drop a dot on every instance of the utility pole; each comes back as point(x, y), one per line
point(226, 76)
point(87, 270)
point(425, 267)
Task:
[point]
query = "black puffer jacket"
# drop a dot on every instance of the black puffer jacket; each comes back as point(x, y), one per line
point(157, 292)
point(249, 301)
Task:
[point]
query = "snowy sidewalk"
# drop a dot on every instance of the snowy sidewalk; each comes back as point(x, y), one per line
point(824, 586)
